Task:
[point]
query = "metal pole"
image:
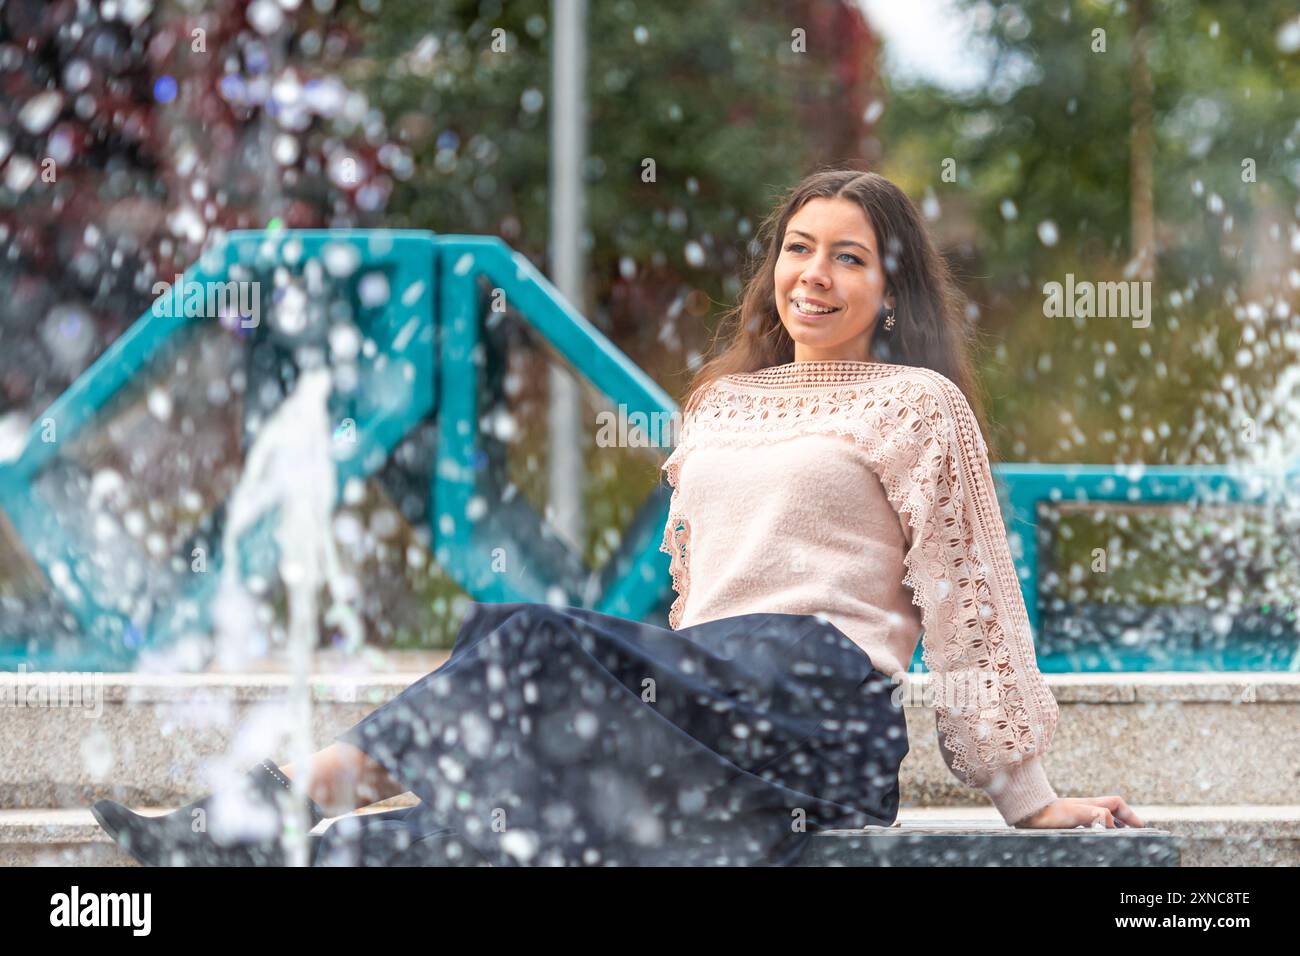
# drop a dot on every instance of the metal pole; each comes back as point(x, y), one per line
point(568, 153)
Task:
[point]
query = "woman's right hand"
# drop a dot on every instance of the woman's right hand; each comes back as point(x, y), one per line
point(1068, 812)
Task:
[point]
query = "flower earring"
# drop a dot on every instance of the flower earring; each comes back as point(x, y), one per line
point(889, 320)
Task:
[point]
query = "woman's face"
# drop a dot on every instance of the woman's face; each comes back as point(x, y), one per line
point(829, 258)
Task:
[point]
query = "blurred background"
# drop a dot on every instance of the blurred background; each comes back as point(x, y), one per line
point(1153, 140)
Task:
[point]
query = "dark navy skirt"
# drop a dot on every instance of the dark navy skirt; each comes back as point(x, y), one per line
point(568, 737)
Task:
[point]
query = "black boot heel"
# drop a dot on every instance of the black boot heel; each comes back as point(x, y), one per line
point(238, 830)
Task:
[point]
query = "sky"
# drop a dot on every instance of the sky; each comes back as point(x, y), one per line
point(926, 39)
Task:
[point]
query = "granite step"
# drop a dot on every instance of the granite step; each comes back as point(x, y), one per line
point(150, 740)
point(934, 836)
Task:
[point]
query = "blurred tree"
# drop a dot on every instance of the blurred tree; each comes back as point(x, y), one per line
point(729, 109)
point(132, 132)
point(1058, 171)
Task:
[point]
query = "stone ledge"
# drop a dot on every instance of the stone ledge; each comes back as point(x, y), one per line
point(76, 825)
point(341, 686)
point(1155, 739)
point(961, 836)
point(992, 846)
point(1200, 821)
point(1176, 686)
point(1187, 836)
point(236, 688)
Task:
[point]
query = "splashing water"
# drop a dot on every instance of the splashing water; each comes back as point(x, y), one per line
point(290, 476)
point(1269, 460)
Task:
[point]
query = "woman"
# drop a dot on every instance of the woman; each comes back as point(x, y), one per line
point(832, 498)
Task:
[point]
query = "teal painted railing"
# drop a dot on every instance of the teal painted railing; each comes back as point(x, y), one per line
point(426, 361)
point(1025, 487)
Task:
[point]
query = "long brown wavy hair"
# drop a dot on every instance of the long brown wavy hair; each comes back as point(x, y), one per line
point(929, 330)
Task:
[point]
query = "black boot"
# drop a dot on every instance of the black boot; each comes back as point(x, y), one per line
point(239, 829)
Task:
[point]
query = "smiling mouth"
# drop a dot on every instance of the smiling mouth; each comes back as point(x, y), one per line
point(812, 312)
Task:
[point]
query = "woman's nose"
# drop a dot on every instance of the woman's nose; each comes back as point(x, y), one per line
point(815, 272)
point(817, 276)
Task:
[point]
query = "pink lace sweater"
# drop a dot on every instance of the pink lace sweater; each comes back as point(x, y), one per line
point(862, 492)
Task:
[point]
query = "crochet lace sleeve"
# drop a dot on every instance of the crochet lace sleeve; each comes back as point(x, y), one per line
point(994, 713)
point(677, 535)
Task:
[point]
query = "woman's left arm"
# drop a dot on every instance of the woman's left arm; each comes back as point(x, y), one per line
point(977, 635)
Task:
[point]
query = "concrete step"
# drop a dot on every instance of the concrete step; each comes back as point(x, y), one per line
point(1155, 739)
point(1233, 835)
point(72, 837)
point(935, 836)
point(1184, 739)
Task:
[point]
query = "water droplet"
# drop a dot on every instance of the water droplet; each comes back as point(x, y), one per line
point(40, 111)
point(930, 205)
point(160, 404)
point(1288, 37)
point(96, 750)
point(20, 173)
point(341, 259)
point(77, 76)
point(291, 310)
point(285, 149)
point(164, 89)
point(521, 844)
point(345, 342)
point(325, 96)
point(412, 293)
point(265, 17)
point(477, 734)
point(134, 523)
point(532, 100)
point(373, 290)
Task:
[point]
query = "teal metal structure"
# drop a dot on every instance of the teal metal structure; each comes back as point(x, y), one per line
point(428, 350)
point(1025, 487)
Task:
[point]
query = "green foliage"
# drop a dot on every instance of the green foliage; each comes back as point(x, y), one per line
point(1052, 136)
point(702, 92)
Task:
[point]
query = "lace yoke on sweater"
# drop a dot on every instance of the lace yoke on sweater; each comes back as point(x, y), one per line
point(924, 444)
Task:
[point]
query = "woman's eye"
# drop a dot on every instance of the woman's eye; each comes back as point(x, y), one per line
point(796, 246)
